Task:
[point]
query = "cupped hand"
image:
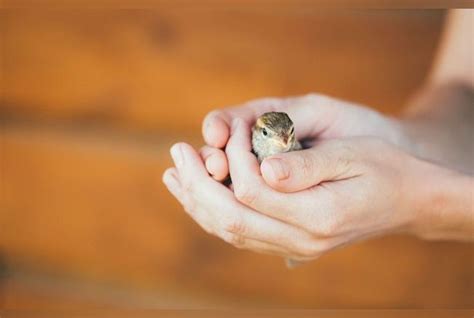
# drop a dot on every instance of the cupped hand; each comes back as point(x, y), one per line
point(215, 208)
point(316, 117)
point(302, 204)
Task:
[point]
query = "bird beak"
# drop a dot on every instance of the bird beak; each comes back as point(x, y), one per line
point(284, 141)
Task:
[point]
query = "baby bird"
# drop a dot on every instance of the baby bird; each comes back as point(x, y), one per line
point(273, 133)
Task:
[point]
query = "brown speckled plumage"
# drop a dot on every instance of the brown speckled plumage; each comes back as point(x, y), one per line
point(273, 133)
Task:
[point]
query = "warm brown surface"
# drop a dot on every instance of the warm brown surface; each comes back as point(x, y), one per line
point(460, 313)
point(91, 101)
point(138, 68)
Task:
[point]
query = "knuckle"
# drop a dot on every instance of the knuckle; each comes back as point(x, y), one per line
point(328, 227)
point(347, 149)
point(188, 187)
point(233, 239)
point(348, 156)
point(234, 231)
point(323, 158)
point(343, 156)
point(245, 193)
point(344, 164)
point(325, 227)
point(307, 165)
point(237, 240)
point(236, 226)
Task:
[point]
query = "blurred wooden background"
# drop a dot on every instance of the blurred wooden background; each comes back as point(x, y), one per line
point(91, 100)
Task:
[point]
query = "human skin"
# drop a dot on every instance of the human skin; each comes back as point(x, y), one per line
point(437, 124)
point(363, 175)
point(339, 191)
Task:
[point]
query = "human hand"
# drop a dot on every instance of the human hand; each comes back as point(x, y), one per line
point(215, 208)
point(335, 193)
point(316, 117)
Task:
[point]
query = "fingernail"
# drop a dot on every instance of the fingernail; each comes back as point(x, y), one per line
point(177, 155)
point(278, 169)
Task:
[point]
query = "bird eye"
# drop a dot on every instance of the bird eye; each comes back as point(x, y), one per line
point(264, 132)
point(292, 130)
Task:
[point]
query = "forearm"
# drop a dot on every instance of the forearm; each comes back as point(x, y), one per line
point(439, 125)
point(453, 60)
point(444, 206)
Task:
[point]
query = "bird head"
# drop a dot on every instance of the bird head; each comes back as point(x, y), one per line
point(277, 129)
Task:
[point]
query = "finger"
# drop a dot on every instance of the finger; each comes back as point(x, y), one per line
point(311, 114)
point(295, 171)
point(171, 181)
point(216, 162)
point(188, 161)
point(215, 205)
point(246, 223)
point(187, 177)
point(249, 187)
point(215, 209)
point(217, 124)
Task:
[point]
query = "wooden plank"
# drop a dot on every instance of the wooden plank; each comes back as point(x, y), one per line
point(166, 69)
point(90, 205)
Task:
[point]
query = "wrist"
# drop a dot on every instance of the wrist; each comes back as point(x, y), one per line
point(438, 126)
point(442, 204)
point(400, 135)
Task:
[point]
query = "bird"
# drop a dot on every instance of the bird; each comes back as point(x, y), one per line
point(273, 133)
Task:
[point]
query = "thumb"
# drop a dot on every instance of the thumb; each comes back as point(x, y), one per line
point(298, 170)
